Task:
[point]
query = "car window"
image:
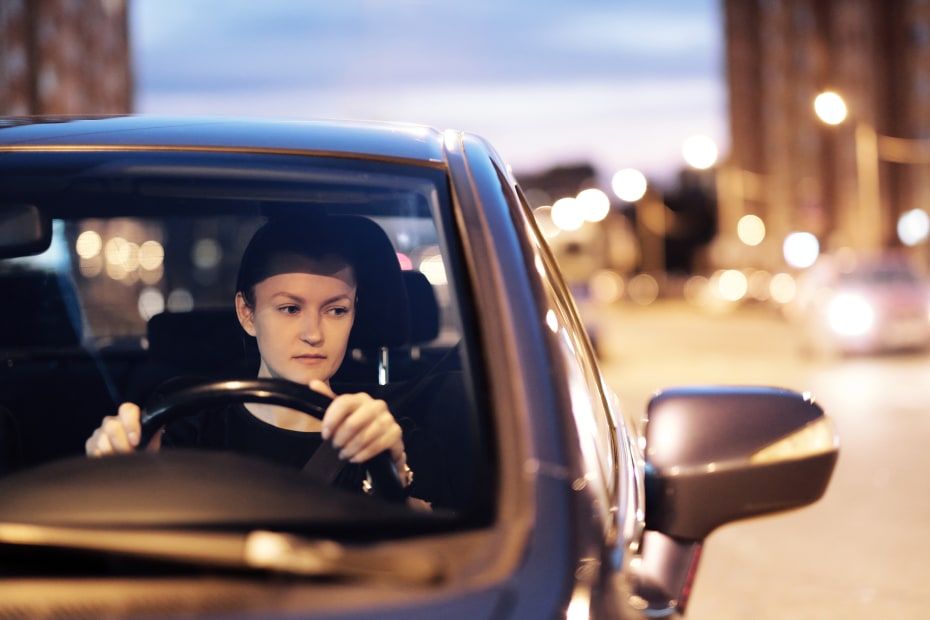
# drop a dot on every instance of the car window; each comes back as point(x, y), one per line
point(137, 287)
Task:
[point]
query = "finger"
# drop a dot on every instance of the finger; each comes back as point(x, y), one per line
point(339, 411)
point(115, 433)
point(374, 433)
point(129, 415)
point(377, 443)
point(349, 414)
point(320, 386)
point(101, 445)
point(98, 444)
point(104, 446)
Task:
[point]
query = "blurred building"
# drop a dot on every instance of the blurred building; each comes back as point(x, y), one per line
point(847, 183)
point(64, 57)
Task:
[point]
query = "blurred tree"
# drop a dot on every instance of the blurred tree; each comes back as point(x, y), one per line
point(64, 57)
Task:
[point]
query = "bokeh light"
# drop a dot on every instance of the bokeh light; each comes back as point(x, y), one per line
point(151, 255)
point(629, 184)
point(180, 300)
point(434, 269)
point(566, 214)
point(116, 251)
point(732, 284)
point(151, 302)
point(783, 288)
point(206, 253)
point(132, 256)
point(850, 314)
point(801, 249)
point(699, 152)
point(695, 290)
point(751, 230)
point(830, 108)
point(594, 204)
point(606, 286)
point(643, 289)
point(913, 227)
point(88, 244)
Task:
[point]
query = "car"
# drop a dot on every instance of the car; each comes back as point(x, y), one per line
point(860, 305)
point(119, 241)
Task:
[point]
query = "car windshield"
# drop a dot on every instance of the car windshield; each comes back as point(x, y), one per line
point(136, 289)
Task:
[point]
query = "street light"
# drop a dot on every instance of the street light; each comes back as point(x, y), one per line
point(630, 185)
point(700, 152)
point(831, 109)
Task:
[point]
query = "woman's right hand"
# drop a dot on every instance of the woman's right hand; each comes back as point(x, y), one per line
point(119, 433)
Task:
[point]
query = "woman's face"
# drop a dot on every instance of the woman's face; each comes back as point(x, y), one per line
point(301, 321)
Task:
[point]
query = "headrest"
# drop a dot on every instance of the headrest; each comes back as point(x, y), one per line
point(202, 340)
point(424, 308)
point(381, 317)
point(39, 309)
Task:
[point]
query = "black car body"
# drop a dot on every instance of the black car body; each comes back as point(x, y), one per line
point(562, 506)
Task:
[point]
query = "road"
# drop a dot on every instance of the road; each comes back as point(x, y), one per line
point(863, 551)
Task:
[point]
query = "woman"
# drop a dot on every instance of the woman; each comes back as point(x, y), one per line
point(296, 294)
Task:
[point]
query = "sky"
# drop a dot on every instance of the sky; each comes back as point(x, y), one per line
point(614, 83)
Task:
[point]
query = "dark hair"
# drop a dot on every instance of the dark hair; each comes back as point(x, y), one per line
point(271, 245)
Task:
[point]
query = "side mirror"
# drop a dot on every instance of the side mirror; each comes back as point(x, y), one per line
point(24, 231)
point(715, 455)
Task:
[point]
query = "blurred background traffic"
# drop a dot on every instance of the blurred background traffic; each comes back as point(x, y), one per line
point(736, 190)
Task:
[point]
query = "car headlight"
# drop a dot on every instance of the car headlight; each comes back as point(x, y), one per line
point(850, 315)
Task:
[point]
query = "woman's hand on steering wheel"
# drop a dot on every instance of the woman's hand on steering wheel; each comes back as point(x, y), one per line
point(119, 433)
point(361, 427)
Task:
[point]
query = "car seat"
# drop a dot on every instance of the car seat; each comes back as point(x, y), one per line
point(55, 388)
point(205, 343)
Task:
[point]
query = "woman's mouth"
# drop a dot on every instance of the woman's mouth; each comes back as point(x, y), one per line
point(309, 358)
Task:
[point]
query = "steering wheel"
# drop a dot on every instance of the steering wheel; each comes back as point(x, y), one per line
point(190, 400)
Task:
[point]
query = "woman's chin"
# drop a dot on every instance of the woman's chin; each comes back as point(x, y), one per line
point(302, 377)
point(305, 377)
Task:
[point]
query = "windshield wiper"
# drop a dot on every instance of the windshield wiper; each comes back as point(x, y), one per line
point(256, 550)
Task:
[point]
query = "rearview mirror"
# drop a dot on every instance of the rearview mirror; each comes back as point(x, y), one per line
point(24, 231)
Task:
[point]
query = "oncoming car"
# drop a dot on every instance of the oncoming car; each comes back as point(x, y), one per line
point(120, 240)
point(864, 305)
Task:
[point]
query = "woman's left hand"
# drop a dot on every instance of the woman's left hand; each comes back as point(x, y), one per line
point(361, 427)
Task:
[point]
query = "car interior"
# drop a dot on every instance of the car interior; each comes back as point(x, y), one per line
point(71, 349)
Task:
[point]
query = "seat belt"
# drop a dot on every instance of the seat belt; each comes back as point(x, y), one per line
point(324, 464)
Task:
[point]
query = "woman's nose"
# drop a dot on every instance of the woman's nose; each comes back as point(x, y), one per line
point(311, 330)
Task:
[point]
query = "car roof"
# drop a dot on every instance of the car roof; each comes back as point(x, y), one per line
point(367, 139)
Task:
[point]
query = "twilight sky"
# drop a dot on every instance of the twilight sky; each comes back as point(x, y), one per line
point(619, 83)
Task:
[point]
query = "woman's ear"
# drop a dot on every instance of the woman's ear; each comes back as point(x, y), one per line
point(245, 314)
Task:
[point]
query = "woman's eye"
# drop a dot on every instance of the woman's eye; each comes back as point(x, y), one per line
point(338, 311)
point(289, 309)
